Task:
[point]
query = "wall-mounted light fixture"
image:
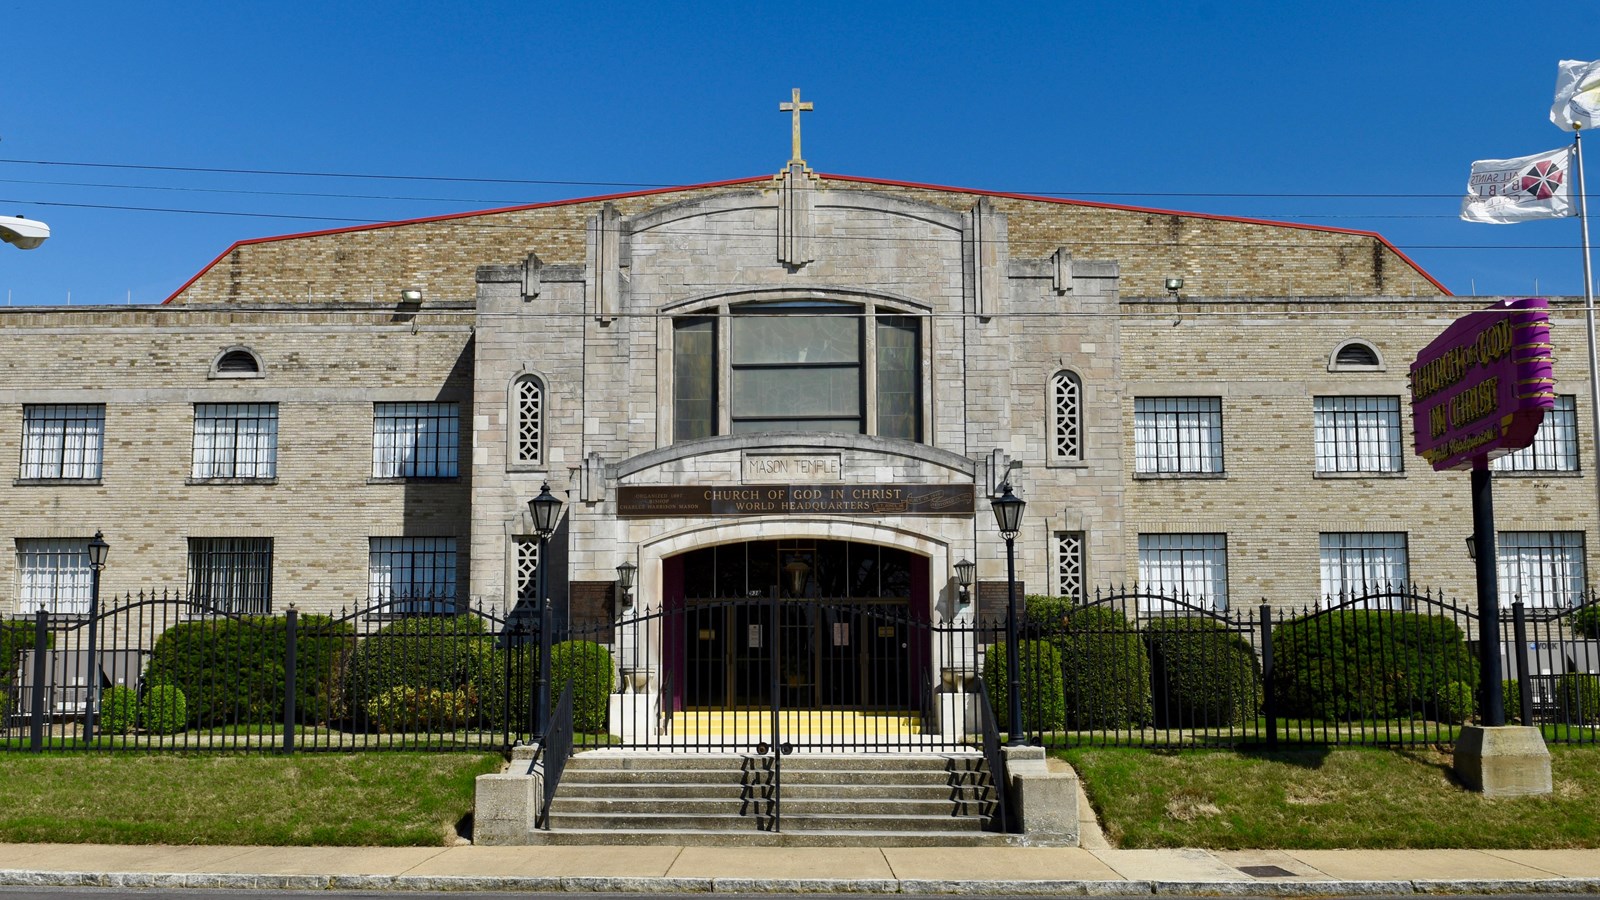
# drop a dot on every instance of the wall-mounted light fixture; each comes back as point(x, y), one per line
point(1472, 546)
point(411, 295)
point(625, 573)
point(964, 571)
point(1174, 285)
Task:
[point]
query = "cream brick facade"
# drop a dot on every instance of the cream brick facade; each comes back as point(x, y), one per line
point(1008, 290)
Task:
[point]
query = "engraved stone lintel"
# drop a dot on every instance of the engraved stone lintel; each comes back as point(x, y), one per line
point(792, 467)
point(1061, 270)
point(604, 283)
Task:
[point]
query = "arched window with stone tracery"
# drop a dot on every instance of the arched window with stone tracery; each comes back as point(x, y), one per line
point(1066, 417)
point(527, 421)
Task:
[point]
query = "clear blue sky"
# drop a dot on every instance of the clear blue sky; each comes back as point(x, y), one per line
point(1383, 105)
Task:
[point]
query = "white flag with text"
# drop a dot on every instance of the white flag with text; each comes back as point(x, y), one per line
point(1577, 95)
point(1503, 191)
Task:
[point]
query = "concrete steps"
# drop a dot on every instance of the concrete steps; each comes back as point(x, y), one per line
point(923, 799)
point(796, 726)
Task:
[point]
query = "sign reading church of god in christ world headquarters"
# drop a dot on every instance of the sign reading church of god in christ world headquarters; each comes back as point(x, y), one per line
point(1482, 387)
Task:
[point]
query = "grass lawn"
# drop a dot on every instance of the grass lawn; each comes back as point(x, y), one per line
point(1329, 798)
point(365, 799)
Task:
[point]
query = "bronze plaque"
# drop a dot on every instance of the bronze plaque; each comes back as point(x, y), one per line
point(660, 501)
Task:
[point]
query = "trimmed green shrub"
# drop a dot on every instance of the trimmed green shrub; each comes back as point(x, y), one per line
point(1367, 664)
point(1586, 621)
point(163, 709)
point(1511, 697)
point(1205, 675)
point(1578, 698)
point(423, 709)
point(1043, 697)
point(119, 709)
point(231, 670)
point(1458, 701)
point(590, 668)
point(444, 653)
point(1105, 668)
point(517, 665)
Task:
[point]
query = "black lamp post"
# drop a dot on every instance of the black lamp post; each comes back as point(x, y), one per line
point(545, 509)
point(1008, 515)
point(98, 551)
point(625, 573)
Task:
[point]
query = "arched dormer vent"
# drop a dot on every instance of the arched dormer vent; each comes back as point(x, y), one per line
point(1355, 356)
point(237, 362)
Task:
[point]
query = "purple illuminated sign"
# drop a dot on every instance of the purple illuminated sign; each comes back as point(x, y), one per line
point(1481, 388)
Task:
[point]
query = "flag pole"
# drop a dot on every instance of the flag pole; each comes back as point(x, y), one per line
point(1588, 305)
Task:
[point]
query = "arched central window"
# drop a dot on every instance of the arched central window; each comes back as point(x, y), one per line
point(798, 366)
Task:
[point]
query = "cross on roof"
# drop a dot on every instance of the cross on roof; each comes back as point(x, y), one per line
point(795, 107)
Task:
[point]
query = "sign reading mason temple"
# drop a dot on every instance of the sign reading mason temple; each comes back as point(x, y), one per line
point(656, 501)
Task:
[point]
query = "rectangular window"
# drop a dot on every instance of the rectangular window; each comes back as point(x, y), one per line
point(416, 440)
point(1542, 568)
point(235, 440)
point(1070, 581)
point(413, 574)
point(1357, 434)
point(796, 372)
point(63, 441)
point(1188, 567)
point(899, 401)
point(1177, 435)
point(1356, 564)
point(54, 575)
point(694, 378)
point(232, 574)
point(1555, 444)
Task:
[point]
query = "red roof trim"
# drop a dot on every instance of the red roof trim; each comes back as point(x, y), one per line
point(844, 178)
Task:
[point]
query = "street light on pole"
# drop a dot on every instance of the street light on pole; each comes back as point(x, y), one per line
point(1008, 515)
point(98, 551)
point(545, 509)
point(24, 234)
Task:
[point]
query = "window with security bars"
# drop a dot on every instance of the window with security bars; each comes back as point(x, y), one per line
point(1177, 435)
point(413, 575)
point(527, 562)
point(528, 436)
point(416, 440)
point(1189, 567)
point(1070, 580)
point(63, 441)
point(1555, 444)
point(1066, 404)
point(232, 574)
point(1541, 568)
point(235, 440)
point(1357, 434)
point(54, 575)
point(1355, 564)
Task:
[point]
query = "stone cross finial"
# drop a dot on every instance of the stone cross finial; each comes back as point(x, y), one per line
point(795, 107)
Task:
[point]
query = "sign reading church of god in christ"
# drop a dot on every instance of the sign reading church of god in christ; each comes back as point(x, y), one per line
point(654, 501)
point(1482, 387)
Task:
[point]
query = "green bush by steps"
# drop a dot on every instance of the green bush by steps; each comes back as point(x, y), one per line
point(589, 667)
point(1039, 670)
point(1206, 675)
point(1105, 667)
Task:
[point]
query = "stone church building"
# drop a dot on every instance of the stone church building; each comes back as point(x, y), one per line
point(807, 383)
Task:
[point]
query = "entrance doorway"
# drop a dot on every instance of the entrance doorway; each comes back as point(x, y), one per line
point(820, 624)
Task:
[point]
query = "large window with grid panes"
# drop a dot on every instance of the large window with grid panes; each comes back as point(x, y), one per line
point(1188, 567)
point(1177, 435)
point(235, 440)
point(53, 574)
point(412, 575)
point(1362, 564)
point(62, 442)
point(1541, 568)
point(1555, 444)
point(233, 574)
point(808, 365)
point(416, 440)
point(1357, 434)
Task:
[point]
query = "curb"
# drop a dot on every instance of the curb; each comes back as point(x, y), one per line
point(588, 884)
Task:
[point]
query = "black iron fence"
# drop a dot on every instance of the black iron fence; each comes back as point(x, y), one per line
point(774, 675)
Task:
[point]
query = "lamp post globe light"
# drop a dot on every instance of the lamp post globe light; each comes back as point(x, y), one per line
point(98, 551)
point(545, 510)
point(1008, 515)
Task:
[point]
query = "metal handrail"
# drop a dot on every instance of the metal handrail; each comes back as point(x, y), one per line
point(556, 749)
point(995, 757)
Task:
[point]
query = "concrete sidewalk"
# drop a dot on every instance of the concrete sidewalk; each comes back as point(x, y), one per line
point(921, 870)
